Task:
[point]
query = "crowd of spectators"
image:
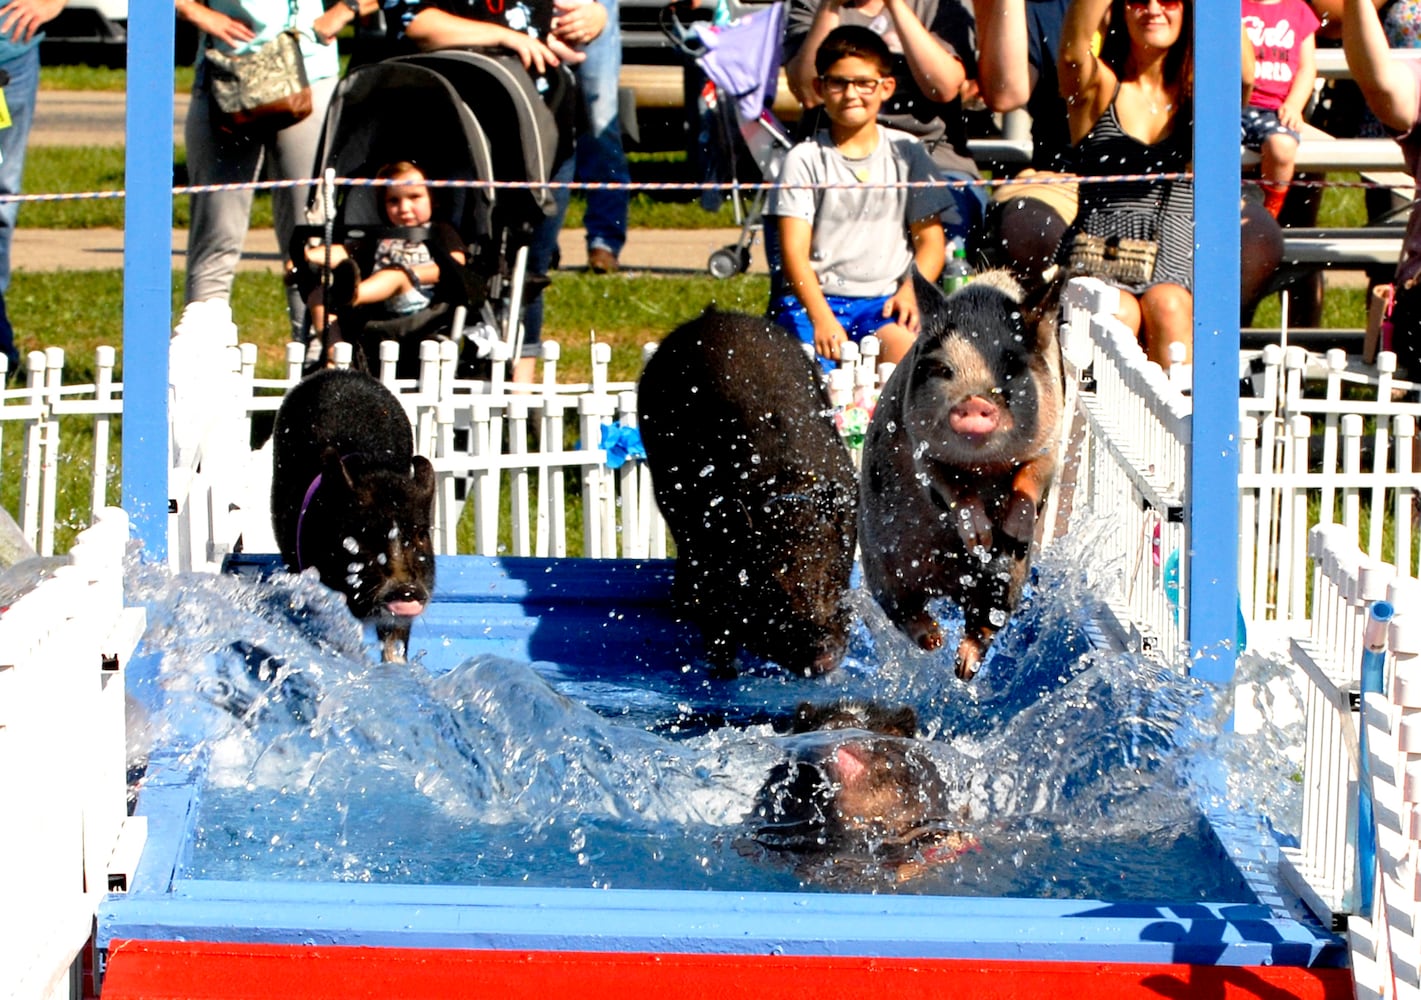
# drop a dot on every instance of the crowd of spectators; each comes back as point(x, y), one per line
point(1107, 85)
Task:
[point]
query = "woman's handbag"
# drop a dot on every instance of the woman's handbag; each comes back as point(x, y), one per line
point(1114, 258)
point(264, 90)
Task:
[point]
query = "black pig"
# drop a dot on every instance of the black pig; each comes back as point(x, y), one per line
point(344, 501)
point(958, 459)
point(872, 800)
point(757, 488)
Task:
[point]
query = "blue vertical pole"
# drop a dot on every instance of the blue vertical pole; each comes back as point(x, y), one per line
point(1373, 681)
point(147, 271)
point(1213, 461)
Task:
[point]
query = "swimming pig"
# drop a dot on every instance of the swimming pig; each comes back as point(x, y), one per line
point(871, 800)
point(958, 459)
point(343, 499)
point(757, 489)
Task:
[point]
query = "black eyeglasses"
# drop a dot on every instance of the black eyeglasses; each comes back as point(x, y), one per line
point(839, 84)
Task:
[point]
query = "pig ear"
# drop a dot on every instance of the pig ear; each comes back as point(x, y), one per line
point(423, 476)
point(333, 468)
point(850, 766)
point(1041, 309)
point(903, 722)
point(930, 301)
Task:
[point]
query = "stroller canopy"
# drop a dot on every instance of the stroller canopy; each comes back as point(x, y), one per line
point(459, 115)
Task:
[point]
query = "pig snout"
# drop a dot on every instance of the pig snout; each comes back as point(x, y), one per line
point(407, 604)
point(975, 416)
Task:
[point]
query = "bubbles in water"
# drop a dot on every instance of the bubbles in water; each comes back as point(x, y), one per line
point(1079, 772)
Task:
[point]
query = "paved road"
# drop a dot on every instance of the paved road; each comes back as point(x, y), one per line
point(657, 251)
point(88, 118)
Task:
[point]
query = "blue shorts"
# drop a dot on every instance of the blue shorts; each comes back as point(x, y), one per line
point(859, 317)
point(1258, 124)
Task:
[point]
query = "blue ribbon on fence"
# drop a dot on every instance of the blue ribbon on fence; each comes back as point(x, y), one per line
point(621, 443)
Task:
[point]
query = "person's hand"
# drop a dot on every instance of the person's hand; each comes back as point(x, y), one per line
point(577, 23)
point(533, 54)
point(568, 55)
point(227, 30)
point(829, 338)
point(330, 23)
point(1289, 117)
point(903, 307)
point(20, 20)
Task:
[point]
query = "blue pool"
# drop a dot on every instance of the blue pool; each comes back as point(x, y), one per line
point(555, 734)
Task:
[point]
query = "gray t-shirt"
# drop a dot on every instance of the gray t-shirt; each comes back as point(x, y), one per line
point(861, 246)
point(939, 126)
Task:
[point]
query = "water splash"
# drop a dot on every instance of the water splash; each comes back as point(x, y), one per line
point(1076, 772)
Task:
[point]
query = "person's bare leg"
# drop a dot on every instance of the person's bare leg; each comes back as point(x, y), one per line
point(1167, 311)
point(895, 340)
point(382, 286)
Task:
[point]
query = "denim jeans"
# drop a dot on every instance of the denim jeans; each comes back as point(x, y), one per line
point(220, 219)
point(20, 98)
point(599, 153)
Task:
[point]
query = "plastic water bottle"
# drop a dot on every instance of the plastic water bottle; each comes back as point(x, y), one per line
point(956, 272)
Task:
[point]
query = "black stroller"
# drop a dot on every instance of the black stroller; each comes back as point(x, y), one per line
point(460, 115)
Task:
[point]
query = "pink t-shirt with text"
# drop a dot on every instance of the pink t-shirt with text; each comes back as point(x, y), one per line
point(1277, 31)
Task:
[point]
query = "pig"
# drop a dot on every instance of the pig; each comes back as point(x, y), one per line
point(757, 488)
point(350, 497)
point(958, 460)
point(874, 798)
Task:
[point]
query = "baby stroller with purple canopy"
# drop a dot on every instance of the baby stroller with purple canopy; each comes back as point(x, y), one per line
point(461, 116)
point(739, 54)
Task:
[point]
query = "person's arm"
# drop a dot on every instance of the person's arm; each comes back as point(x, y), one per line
point(929, 246)
point(227, 30)
point(1004, 71)
point(1249, 69)
point(1388, 87)
point(796, 237)
point(938, 71)
point(1086, 83)
point(20, 20)
point(799, 68)
point(1290, 113)
point(579, 24)
point(340, 14)
point(431, 28)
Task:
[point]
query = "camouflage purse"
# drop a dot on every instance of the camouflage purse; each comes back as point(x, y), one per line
point(265, 90)
point(1113, 258)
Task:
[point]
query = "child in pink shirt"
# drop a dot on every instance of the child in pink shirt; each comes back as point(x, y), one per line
point(1282, 33)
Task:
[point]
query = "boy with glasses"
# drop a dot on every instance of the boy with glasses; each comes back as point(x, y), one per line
point(856, 211)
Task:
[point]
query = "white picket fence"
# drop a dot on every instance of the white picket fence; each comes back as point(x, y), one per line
point(1325, 867)
point(64, 647)
point(536, 453)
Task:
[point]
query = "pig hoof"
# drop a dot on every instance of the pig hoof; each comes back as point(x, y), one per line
point(969, 658)
point(1020, 520)
point(926, 634)
point(973, 525)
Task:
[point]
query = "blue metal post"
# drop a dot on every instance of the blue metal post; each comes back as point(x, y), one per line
point(1373, 681)
point(147, 271)
point(1213, 469)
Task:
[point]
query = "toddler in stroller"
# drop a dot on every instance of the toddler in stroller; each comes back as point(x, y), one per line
point(404, 268)
point(470, 119)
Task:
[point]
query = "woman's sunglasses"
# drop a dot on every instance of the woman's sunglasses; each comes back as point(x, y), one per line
point(1145, 4)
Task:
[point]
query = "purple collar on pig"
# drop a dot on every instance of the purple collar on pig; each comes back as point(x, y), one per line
point(305, 505)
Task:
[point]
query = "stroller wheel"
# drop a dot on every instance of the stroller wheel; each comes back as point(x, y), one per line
point(729, 261)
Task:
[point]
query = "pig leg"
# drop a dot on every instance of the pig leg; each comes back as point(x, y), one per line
point(394, 641)
point(914, 622)
point(970, 652)
point(973, 525)
point(1028, 488)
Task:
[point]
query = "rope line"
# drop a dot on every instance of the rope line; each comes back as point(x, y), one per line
point(666, 186)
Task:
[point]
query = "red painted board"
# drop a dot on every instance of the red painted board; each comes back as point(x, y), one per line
point(156, 970)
